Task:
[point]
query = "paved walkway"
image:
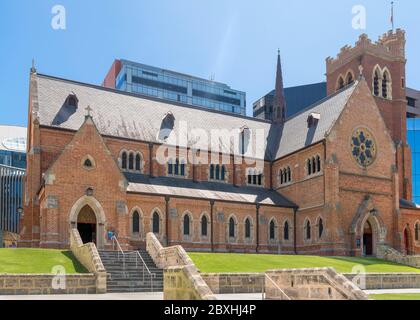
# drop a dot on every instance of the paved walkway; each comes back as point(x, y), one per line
point(159, 296)
point(239, 296)
point(392, 291)
point(106, 296)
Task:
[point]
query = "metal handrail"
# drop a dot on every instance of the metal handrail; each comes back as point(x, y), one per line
point(137, 253)
point(144, 265)
point(275, 285)
point(115, 241)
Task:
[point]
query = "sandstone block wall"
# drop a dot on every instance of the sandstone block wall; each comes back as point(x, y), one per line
point(185, 283)
point(182, 281)
point(226, 283)
point(312, 284)
point(88, 256)
point(34, 284)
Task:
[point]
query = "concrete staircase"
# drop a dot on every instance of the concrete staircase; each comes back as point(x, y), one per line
point(131, 278)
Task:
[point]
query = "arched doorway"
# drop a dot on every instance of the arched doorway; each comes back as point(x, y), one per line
point(407, 241)
point(86, 224)
point(99, 214)
point(367, 239)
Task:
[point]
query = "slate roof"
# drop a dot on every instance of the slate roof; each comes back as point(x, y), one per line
point(295, 134)
point(133, 116)
point(205, 190)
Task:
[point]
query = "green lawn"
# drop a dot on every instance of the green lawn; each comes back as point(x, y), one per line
point(395, 296)
point(38, 261)
point(226, 262)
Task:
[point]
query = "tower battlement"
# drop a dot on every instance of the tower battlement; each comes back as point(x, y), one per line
point(390, 46)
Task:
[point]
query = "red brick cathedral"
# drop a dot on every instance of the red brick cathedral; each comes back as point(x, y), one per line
point(330, 180)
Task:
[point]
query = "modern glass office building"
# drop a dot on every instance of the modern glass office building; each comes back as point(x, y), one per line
point(173, 86)
point(12, 172)
point(413, 137)
point(13, 146)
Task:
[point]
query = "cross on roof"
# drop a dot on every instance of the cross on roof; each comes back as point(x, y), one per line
point(88, 109)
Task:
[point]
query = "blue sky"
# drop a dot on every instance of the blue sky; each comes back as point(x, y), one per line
point(236, 40)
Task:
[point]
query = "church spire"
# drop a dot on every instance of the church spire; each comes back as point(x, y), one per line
point(279, 114)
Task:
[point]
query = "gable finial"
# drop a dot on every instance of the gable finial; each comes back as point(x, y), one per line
point(361, 77)
point(88, 110)
point(33, 69)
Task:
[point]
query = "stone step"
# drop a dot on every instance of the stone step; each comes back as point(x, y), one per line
point(133, 276)
point(132, 290)
point(127, 277)
point(131, 263)
point(132, 270)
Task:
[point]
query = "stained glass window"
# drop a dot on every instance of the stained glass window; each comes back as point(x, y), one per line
point(363, 147)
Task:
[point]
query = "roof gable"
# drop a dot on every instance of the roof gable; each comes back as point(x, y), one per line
point(295, 133)
point(87, 142)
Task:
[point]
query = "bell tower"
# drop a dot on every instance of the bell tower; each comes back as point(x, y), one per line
point(382, 63)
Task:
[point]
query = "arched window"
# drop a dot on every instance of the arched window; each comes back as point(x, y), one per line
point(385, 80)
point(138, 162)
point(176, 167)
point(376, 78)
point(308, 230)
point(186, 225)
point(156, 222)
point(124, 160)
point(318, 163)
point(170, 167)
point(285, 175)
point(231, 228)
point(176, 171)
point(136, 222)
point(272, 230)
point(286, 231)
point(217, 172)
point(247, 228)
point(182, 169)
point(255, 178)
point(131, 161)
point(309, 166)
point(260, 176)
point(212, 171)
point(88, 163)
point(340, 84)
point(244, 140)
point(314, 168)
point(320, 228)
point(349, 78)
point(223, 173)
point(416, 231)
point(204, 226)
